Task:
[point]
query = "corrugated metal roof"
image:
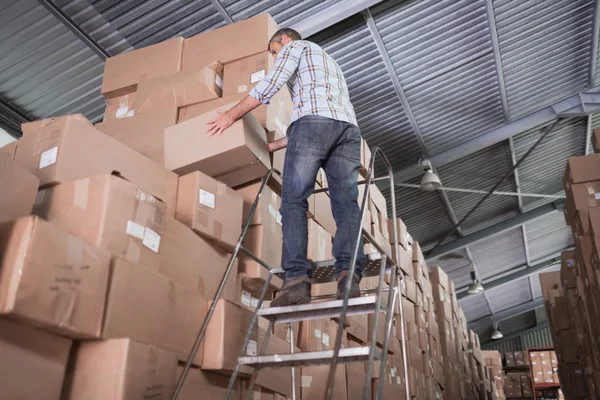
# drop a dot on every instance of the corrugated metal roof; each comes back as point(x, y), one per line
point(443, 47)
point(500, 253)
point(481, 171)
point(535, 281)
point(456, 265)
point(548, 235)
point(475, 307)
point(283, 11)
point(381, 118)
point(542, 171)
point(505, 297)
point(545, 48)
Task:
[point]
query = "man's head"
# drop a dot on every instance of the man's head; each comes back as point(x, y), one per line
point(281, 38)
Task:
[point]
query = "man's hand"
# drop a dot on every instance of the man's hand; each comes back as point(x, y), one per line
point(278, 144)
point(216, 126)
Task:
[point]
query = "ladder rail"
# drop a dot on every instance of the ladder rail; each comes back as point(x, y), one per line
point(213, 306)
point(373, 346)
point(392, 297)
point(352, 268)
point(263, 348)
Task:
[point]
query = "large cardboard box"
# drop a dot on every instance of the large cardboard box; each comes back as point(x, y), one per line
point(323, 213)
point(230, 42)
point(225, 337)
point(243, 74)
point(210, 208)
point(264, 243)
point(120, 369)
point(581, 196)
point(239, 156)
point(123, 72)
point(317, 335)
point(18, 189)
point(52, 279)
point(319, 243)
point(150, 308)
point(274, 117)
point(180, 89)
point(110, 212)
point(70, 148)
point(32, 362)
point(267, 210)
point(355, 383)
point(144, 133)
point(582, 169)
point(200, 384)
point(194, 262)
point(278, 380)
point(314, 382)
point(10, 149)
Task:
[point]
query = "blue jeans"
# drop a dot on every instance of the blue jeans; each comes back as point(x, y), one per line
point(317, 142)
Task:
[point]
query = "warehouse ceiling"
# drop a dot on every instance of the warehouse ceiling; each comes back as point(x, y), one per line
point(468, 84)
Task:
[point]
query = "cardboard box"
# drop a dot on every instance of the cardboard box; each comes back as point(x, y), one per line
point(51, 279)
point(402, 233)
point(120, 107)
point(150, 308)
point(355, 383)
point(243, 74)
point(110, 212)
point(278, 380)
point(319, 243)
point(32, 362)
point(210, 208)
point(267, 211)
point(201, 384)
point(70, 148)
point(230, 42)
point(581, 196)
point(274, 117)
point(18, 189)
point(317, 335)
point(240, 156)
point(120, 369)
point(181, 251)
point(314, 382)
point(225, 337)
point(264, 243)
point(323, 213)
point(10, 149)
point(582, 169)
point(180, 89)
point(144, 133)
point(123, 72)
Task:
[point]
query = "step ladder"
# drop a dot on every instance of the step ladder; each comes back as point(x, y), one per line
point(370, 302)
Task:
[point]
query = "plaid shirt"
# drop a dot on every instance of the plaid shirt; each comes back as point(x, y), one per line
point(315, 81)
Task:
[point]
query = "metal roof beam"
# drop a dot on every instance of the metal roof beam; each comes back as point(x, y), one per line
point(576, 105)
point(67, 21)
point(484, 322)
point(495, 229)
point(329, 15)
point(12, 117)
point(491, 17)
point(523, 271)
point(224, 14)
point(594, 49)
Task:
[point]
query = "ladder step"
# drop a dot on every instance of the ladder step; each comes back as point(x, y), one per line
point(350, 355)
point(327, 309)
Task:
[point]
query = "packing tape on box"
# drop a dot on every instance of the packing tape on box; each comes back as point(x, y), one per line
point(64, 305)
point(74, 252)
point(133, 251)
point(81, 193)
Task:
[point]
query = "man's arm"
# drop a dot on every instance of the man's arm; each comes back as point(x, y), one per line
point(285, 65)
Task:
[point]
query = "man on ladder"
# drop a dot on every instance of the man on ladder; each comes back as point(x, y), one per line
point(323, 133)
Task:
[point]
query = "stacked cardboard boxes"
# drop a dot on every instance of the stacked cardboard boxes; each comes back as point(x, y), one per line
point(517, 385)
point(493, 362)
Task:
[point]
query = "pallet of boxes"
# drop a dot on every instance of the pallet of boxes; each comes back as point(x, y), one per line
point(493, 365)
point(571, 295)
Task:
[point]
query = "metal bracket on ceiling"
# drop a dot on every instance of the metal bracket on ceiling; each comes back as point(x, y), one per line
point(585, 103)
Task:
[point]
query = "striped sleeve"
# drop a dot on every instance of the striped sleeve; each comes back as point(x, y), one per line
point(285, 65)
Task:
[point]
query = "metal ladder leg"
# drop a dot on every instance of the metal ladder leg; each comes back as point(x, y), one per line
point(392, 296)
point(373, 345)
point(294, 395)
point(213, 306)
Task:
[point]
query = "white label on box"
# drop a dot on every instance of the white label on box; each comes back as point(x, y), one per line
point(257, 76)
point(306, 381)
point(242, 88)
point(39, 197)
point(325, 339)
point(252, 349)
point(279, 219)
point(124, 112)
point(219, 81)
point(254, 302)
point(393, 371)
point(246, 298)
point(48, 157)
point(317, 333)
point(597, 196)
point(206, 198)
point(151, 240)
point(398, 380)
point(134, 229)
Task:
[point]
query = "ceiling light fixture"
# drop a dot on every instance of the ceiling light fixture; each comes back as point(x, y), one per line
point(496, 334)
point(476, 286)
point(430, 181)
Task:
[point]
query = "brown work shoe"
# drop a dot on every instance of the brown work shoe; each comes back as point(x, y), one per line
point(294, 292)
point(354, 286)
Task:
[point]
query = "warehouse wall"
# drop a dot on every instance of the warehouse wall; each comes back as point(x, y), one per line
point(521, 341)
point(5, 138)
